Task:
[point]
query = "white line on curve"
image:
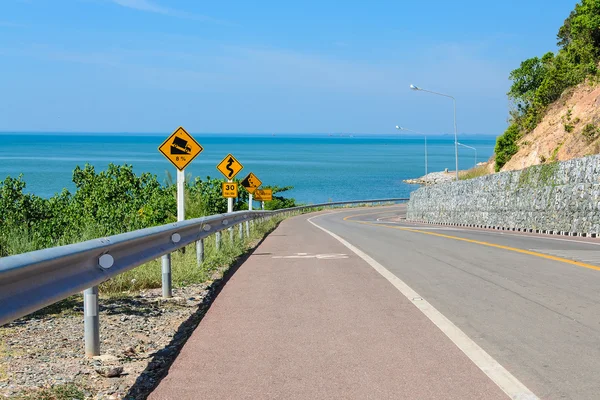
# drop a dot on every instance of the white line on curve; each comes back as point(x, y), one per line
point(492, 368)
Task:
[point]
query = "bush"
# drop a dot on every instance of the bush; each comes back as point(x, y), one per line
point(590, 132)
point(506, 146)
point(105, 203)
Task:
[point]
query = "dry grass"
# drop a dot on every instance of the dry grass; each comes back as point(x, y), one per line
point(475, 172)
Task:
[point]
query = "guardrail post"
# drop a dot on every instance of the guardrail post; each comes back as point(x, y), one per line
point(200, 251)
point(241, 230)
point(218, 240)
point(247, 228)
point(167, 291)
point(91, 322)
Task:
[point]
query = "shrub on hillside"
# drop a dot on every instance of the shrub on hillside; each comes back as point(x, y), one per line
point(506, 146)
point(538, 82)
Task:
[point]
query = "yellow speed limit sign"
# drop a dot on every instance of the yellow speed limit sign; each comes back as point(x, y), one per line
point(230, 189)
point(263, 195)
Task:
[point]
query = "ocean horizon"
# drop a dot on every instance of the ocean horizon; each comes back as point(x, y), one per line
point(320, 167)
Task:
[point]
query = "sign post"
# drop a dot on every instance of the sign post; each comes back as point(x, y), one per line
point(250, 209)
point(180, 195)
point(180, 148)
point(230, 168)
point(251, 183)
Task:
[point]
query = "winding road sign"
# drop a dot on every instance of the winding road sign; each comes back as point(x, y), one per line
point(230, 166)
point(180, 148)
point(251, 183)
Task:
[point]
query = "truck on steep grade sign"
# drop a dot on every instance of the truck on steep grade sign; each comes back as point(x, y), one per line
point(180, 148)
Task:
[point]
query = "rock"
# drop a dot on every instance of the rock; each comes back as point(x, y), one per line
point(110, 372)
point(130, 352)
point(106, 358)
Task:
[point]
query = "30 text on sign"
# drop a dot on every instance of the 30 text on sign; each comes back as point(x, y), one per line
point(230, 189)
point(180, 148)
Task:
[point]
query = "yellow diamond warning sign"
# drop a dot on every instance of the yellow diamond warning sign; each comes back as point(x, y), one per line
point(229, 166)
point(180, 148)
point(251, 182)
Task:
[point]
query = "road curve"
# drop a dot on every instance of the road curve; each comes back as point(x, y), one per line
point(530, 301)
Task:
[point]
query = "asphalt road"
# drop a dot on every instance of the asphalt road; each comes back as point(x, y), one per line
point(530, 301)
point(305, 317)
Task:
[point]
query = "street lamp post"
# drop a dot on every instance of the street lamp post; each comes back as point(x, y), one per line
point(413, 87)
point(469, 147)
point(424, 135)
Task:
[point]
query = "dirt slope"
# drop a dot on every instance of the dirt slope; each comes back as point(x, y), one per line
point(551, 139)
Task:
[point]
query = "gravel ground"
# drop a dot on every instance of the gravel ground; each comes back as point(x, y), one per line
point(142, 333)
point(433, 178)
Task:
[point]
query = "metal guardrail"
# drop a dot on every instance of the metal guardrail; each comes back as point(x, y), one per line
point(34, 280)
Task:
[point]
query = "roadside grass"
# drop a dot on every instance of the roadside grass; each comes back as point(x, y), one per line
point(474, 172)
point(67, 391)
point(3, 355)
point(6, 353)
point(184, 267)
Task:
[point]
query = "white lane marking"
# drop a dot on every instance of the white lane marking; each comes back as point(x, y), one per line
point(317, 256)
point(492, 233)
point(492, 368)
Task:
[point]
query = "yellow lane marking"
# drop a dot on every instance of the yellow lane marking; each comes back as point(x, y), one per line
point(498, 246)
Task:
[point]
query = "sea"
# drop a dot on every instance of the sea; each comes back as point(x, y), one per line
point(319, 167)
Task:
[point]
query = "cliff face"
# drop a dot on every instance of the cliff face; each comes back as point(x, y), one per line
point(570, 129)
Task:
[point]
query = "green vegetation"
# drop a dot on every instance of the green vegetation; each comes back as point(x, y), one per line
point(104, 203)
point(554, 155)
point(506, 146)
point(546, 173)
point(538, 82)
point(538, 175)
point(590, 132)
point(475, 172)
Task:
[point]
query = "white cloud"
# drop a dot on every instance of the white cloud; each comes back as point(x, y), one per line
point(149, 6)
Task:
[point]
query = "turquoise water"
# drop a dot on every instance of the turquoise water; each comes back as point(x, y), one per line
point(320, 167)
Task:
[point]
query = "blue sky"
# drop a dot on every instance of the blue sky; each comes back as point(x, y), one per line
point(266, 66)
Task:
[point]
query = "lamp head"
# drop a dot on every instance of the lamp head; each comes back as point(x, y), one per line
point(413, 87)
point(397, 127)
